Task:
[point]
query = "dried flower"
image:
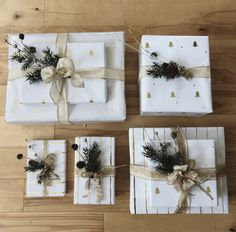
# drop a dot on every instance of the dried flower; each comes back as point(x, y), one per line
point(20, 156)
point(21, 36)
point(173, 135)
point(75, 146)
point(80, 164)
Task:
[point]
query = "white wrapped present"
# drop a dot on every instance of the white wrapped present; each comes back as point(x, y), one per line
point(81, 196)
point(85, 56)
point(114, 109)
point(177, 96)
point(57, 188)
point(157, 197)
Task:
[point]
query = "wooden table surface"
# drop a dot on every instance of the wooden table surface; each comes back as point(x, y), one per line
point(216, 18)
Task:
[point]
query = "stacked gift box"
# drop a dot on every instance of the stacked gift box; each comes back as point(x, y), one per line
point(100, 98)
point(205, 146)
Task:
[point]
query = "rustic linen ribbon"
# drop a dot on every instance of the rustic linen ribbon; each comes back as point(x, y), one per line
point(95, 179)
point(200, 71)
point(49, 161)
point(183, 177)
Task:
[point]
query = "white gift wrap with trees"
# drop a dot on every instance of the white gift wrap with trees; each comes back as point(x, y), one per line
point(107, 146)
point(112, 110)
point(141, 189)
point(176, 96)
point(84, 56)
point(58, 187)
point(161, 194)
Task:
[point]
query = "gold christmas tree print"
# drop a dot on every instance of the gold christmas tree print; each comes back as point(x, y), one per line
point(195, 44)
point(171, 44)
point(172, 94)
point(91, 53)
point(147, 45)
point(157, 191)
point(149, 95)
point(197, 94)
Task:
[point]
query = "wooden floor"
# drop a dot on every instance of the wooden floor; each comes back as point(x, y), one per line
point(216, 18)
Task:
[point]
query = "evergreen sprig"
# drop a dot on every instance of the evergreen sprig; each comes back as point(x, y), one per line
point(34, 76)
point(162, 157)
point(168, 71)
point(92, 158)
point(30, 63)
point(34, 166)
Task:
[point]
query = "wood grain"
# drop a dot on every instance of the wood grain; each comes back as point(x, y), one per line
point(122, 222)
point(11, 195)
point(216, 18)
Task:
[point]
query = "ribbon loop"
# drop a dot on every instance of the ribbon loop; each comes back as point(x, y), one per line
point(95, 179)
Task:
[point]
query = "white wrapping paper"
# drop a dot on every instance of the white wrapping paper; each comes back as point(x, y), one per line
point(140, 189)
point(113, 110)
point(84, 56)
point(107, 145)
point(178, 96)
point(58, 187)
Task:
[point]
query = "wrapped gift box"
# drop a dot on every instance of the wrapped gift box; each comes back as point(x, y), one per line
point(107, 146)
point(114, 109)
point(85, 56)
point(178, 96)
point(58, 186)
point(143, 192)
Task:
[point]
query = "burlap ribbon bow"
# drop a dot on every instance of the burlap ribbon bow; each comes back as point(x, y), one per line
point(95, 180)
point(184, 178)
point(57, 77)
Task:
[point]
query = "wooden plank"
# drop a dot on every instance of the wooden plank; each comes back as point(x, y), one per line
point(22, 13)
point(15, 135)
point(123, 222)
point(10, 167)
point(47, 222)
point(2, 99)
point(11, 195)
point(81, 12)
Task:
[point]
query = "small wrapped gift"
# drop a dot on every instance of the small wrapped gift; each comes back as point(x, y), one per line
point(175, 75)
point(164, 181)
point(94, 181)
point(46, 168)
point(85, 56)
point(80, 75)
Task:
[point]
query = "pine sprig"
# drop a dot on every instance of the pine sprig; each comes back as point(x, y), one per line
point(92, 158)
point(34, 166)
point(162, 157)
point(30, 63)
point(34, 76)
point(168, 71)
point(49, 58)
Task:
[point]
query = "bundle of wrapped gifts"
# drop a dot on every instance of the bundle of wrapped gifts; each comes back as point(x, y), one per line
point(94, 180)
point(46, 168)
point(177, 170)
point(66, 77)
point(174, 76)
